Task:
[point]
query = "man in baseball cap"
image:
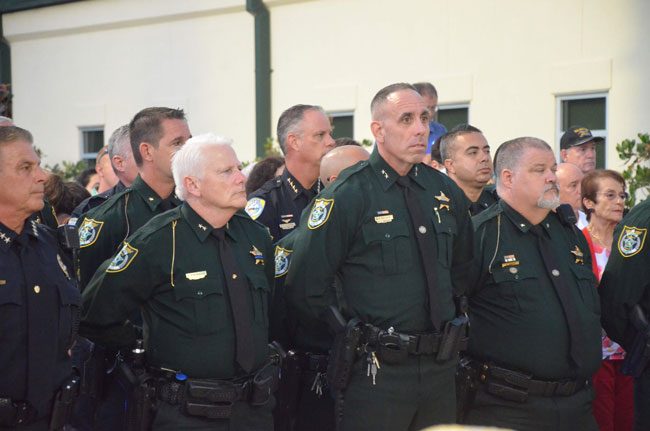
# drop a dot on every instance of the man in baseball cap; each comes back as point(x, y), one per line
point(578, 146)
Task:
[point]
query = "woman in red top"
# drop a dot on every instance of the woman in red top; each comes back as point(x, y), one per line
point(603, 199)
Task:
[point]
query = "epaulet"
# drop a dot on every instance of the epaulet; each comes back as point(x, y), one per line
point(271, 184)
point(489, 213)
point(347, 173)
point(100, 210)
point(160, 221)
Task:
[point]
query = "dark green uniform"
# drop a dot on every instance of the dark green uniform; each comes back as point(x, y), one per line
point(518, 323)
point(102, 230)
point(625, 283)
point(170, 269)
point(487, 197)
point(360, 232)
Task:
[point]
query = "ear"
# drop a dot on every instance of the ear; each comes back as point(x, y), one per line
point(118, 162)
point(292, 141)
point(377, 130)
point(192, 185)
point(563, 154)
point(588, 203)
point(146, 151)
point(507, 178)
point(449, 165)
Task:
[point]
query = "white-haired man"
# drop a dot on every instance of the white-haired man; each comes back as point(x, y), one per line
point(202, 275)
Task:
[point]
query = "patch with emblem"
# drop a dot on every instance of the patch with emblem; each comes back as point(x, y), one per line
point(257, 255)
point(287, 222)
point(320, 213)
point(63, 267)
point(631, 240)
point(255, 207)
point(89, 232)
point(282, 261)
point(123, 258)
point(578, 255)
point(384, 216)
point(509, 261)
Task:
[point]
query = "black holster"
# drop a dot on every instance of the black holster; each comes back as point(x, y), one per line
point(637, 357)
point(454, 338)
point(64, 401)
point(466, 387)
point(141, 395)
point(289, 386)
point(343, 355)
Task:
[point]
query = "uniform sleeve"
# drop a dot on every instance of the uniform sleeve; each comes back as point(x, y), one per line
point(624, 283)
point(99, 236)
point(120, 285)
point(320, 245)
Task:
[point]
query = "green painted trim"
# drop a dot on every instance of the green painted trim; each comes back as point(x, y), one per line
point(7, 6)
point(258, 9)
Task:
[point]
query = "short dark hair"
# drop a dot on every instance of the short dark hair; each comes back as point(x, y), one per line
point(447, 140)
point(84, 177)
point(426, 89)
point(340, 142)
point(64, 196)
point(382, 95)
point(289, 121)
point(263, 171)
point(590, 185)
point(435, 150)
point(509, 153)
point(146, 126)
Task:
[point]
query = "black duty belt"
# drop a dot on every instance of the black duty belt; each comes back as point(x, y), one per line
point(313, 362)
point(516, 385)
point(13, 413)
point(216, 391)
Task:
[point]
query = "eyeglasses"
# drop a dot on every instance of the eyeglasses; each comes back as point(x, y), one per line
point(613, 195)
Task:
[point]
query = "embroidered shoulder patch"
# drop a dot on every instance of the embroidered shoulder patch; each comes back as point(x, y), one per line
point(282, 261)
point(631, 240)
point(320, 213)
point(255, 207)
point(89, 232)
point(123, 258)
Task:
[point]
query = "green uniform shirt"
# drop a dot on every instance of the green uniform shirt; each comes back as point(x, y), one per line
point(102, 229)
point(359, 231)
point(626, 280)
point(516, 318)
point(171, 269)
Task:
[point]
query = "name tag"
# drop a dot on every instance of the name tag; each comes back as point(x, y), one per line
point(196, 275)
point(384, 218)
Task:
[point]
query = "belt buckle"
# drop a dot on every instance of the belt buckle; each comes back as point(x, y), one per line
point(393, 347)
point(566, 388)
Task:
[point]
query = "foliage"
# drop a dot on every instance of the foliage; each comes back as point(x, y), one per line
point(69, 171)
point(635, 155)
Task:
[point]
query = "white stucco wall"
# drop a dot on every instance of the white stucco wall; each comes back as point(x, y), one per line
point(98, 62)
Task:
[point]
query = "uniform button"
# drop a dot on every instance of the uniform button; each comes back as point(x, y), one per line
point(234, 276)
point(422, 230)
point(37, 289)
point(200, 293)
point(387, 235)
point(513, 270)
point(555, 272)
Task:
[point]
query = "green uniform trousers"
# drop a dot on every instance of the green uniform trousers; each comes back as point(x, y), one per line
point(409, 396)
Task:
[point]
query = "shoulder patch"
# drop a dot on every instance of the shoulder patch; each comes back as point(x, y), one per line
point(89, 232)
point(631, 240)
point(255, 207)
point(282, 261)
point(320, 213)
point(123, 258)
point(490, 212)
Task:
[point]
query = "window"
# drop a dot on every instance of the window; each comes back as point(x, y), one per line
point(451, 116)
point(342, 124)
point(92, 140)
point(587, 110)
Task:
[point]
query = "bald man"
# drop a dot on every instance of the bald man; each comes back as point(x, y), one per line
point(569, 177)
point(338, 159)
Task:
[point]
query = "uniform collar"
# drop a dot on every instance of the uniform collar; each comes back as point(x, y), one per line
point(296, 189)
point(520, 221)
point(148, 195)
point(8, 236)
point(387, 175)
point(202, 228)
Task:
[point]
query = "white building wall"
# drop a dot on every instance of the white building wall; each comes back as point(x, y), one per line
point(98, 62)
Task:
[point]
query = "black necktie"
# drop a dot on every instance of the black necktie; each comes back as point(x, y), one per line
point(563, 293)
point(426, 245)
point(238, 293)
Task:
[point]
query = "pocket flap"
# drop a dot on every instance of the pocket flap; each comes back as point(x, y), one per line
point(197, 289)
point(384, 231)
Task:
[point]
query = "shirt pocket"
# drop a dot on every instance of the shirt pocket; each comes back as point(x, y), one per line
point(12, 316)
point(260, 292)
point(392, 242)
point(587, 287)
point(202, 304)
point(446, 232)
point(69, 314)
point(515, 285)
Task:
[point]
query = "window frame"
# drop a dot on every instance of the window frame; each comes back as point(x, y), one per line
point(449, 106)
point(338, 114)
point(89, 156)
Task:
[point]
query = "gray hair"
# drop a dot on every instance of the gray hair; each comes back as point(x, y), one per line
point(509, 154)
point(119, 143)
point(382, 95)
point(290, 122)
point(190, 160)
point(426, 89)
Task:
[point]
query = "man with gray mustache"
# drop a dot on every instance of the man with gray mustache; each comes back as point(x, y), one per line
point(535, 329)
